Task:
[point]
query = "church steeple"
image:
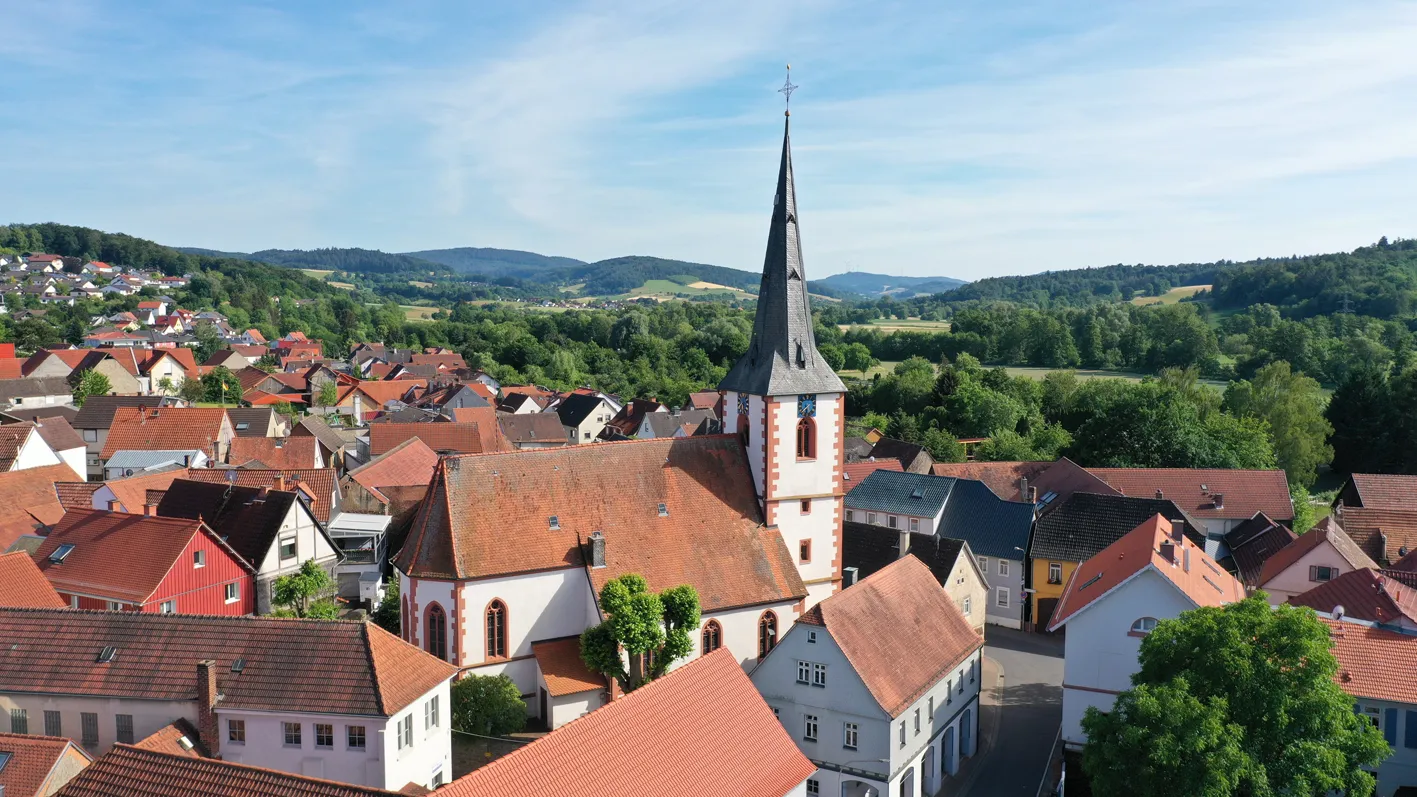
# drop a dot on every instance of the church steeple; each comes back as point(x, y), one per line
point(782, 357)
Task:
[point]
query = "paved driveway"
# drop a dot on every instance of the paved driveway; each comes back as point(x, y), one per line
point(1029, 712)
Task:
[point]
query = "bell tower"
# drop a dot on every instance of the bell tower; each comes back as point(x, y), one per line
point(789, 405)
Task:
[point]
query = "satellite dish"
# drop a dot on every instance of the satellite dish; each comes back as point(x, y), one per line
point(1338, 612)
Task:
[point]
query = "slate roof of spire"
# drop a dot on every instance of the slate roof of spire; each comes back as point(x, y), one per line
point(782, 357)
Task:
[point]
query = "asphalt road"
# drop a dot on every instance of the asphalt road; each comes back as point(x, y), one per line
point(1031, 710)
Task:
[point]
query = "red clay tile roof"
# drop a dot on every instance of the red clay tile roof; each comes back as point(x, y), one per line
point(381, 393)
point(118, 556)
point(129, 770)
point(1364, 595)
point(12, 438)
point(183, 357)
point(853, 473)
point(316, 666)
point(165, 429)
point(274, 452)
point(455, 438)
point(30, 500)
point(260, 398)
point(488, 515)
point(1381, 533)
point(319, 483)
point(1326, 530)
point(900, 631)
point(1245, 492)
point(407, 464)
point(448, 360)
point(560, 663)
point(32, 759)
point(1203, 582)
point(76, 495)
point(489, 432)
point(1000, 477)
point(23, 586)
point(1373, 663)
point(131, 492)
point(641, 744)
point(168, 739)
point(1385, 490)
point(11, 368)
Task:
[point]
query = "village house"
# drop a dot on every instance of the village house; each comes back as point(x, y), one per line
point(445, 438)
point(583, 417)
point(1113, 600)
point(1251, 544)
point(1367, 595)
point(275, 452)
point(532, 430)
point(408, 464)
point(866, 550)
point(1218, 498)
point(1375, 667)
point(257, 690)
point(1377, 513)
point(32, 765)
point(120, 562)
point(169, 429)
point(256, 422)
point(27, 392)
point(134, 462)
point(1321, 554)
point(32, 502)
point(681, 423)
point(24, 446)
point(880, 685)
point(94, 420)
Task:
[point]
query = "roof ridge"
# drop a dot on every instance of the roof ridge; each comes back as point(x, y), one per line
point(374, 670)
point(220, 762)
point(181, 617)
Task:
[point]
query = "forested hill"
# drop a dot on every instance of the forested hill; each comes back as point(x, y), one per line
point(496, 262)
point(356, 261)
point(868, 284)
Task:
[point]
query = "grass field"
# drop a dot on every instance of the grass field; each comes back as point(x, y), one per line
point(346, 285)
point(1094, 373)
point(897, 325)
point(881, 368)
point(669, 289)
point(1172, 296)
point(418, 284)
point(317, 273)
point(416, 313)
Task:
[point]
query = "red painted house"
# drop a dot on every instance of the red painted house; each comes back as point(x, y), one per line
point(140, 563)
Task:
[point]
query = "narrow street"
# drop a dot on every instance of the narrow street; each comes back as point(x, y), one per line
point(1026, 715)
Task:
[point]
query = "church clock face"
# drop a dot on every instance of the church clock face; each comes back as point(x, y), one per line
point(742, 403)
point(807, 406)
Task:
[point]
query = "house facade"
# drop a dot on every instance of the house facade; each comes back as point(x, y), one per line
point(1219, 499)
point(1319, 555)
point(879, 685)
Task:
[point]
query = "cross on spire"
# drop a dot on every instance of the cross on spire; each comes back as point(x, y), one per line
point(786, 91)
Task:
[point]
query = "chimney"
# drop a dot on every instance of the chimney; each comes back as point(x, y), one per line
point(280, 483)
point(848, 576)
point(1382, 547)
point(1168, 551)
point(903, 544)
point(1186, 559)
point(1023, 488)
point(1160, 495)
point(112, 506)
point(597, 549)
point(150, 509)
point(207, 699)
point(1033, 495)
point(1218, 499)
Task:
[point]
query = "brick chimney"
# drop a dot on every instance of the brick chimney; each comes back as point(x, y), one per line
point(207, 698)
point(904, 544)
point(1218, 499)
point(150, 509)
point(280, 483)
point(112, 506)
point(1023, 488)
point(1160, 495)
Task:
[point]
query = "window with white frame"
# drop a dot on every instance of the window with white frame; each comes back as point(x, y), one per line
point(408, 731)
point(1321, 573)
point(813, 787)
point(809, 727)
point(90, 435)
point(233, 592)
point(968, 605)
point(917, 722)
point(894, 522)
point(287, 548)
point(236, 731)
point(355, 737)
point(804, 672)
point(1144, 625)
point(849, 518)
point(291, 731)
point(902, 733)
point(1001, 597)
point(1003, 567)
point(871, 518)
point(949, 691)
point(811, 637)
point(930, 712)
point(984, 565)
point(850, 734)
point(819, 675)
point(168, 607)
point(434, 703)
point(199, 559)
point(915, 524)
point(1055, 572)
point(324, 736)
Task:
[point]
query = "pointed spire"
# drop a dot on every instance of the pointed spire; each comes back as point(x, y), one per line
point(782, 357)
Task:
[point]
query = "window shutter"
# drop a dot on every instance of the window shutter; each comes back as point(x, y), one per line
point(1409, 734)
point(1390, 725)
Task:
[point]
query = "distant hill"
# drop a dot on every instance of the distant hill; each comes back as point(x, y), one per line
point(874, 285)
point(496, 262)
point(358, 261)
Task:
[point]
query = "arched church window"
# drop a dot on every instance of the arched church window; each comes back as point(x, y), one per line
point(437, 639)
point(767, 633)
point(712, 637)
point(496, 630)
point(806, 439)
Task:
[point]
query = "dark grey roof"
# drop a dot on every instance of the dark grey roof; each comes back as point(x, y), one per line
point(20, 414)
point(1254, 541)
point(97, 412)
point(664, 424)
point(857, 447)
point(869, 548)
point(28, 386)
point(256, 419)
point(576, 408)
point(532, 427)
point(891, 448)
point(329, 438)
point(901, 493)
point(991, 525)
point(782, 357)
point(1086, 523)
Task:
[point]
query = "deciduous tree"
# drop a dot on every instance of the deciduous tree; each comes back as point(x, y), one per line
point(647, 627)
point(90, 383)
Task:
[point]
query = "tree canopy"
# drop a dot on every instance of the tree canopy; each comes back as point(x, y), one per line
point(653, 629)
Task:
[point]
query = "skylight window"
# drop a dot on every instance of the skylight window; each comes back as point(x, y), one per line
point(4, 759)
point(61, 552)
point(107, 655)
point(555, 523)
point(918, 493)
point(238, 665)
point(1091, 581)
point(664, 510)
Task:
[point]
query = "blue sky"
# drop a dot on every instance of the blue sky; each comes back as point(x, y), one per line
point(964, 138)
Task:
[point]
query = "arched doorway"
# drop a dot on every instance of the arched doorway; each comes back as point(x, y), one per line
point(965, 737)
point(856, 788)
point(928, 778)
point(948, 764)
point(907, 783)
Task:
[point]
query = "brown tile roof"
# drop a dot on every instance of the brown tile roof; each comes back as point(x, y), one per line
point(11, 368)
point(455, 438)
point(274, 452)
point(488, 515)
point(1381, 533)
point(627, 420)
point(853, 473)
point(319, 483)
point(23, 586)
point(640, 744)
point(118, 556)
point(1252, 543)
point(32, 759)
point(1002, 478)
point(1203, 582)
point(900, 631)
point(30, 500)
point(1385, 490)
point(448, 360)
point(76, 495)
point(560, 663)
point(407, 464)
point(533, 427)
point(131, 492)
point(1373, 663)
point(489, 432)
point(13, 437)
point(184, 358)
point(164, 429)
point(315, 666)
point(129, 770)
point(59, 435)
point(1326, 530)
point(1195, 490)
point(381, 393)
point(97, 412)
point(1364, 595)
point(169, 739)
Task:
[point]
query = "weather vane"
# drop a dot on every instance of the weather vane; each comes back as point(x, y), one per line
point(786, 91)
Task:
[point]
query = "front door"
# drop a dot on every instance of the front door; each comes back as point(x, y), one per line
point(964, 735)
point(545, 717)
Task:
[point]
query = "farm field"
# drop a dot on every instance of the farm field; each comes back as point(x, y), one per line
point(417, 313)
point(317, 273)
point(897, 325)
point(663, 290)
point(1172, 296)
point(1095, 373)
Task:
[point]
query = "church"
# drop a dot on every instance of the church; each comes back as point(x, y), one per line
point(508, 551)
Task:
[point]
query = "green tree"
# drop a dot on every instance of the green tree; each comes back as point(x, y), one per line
point(221, 385)
point(90, 383)
point(165, 386)
point(1293, 405)
point(328, 396)
point(858, 358)
point(308, 592)
point(942, 445)
point(209, 341)
point(487, 705)
point(386, 615)
point(192, 390)
point(1234, 700)
point(648, 627)
point(1305, 514)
